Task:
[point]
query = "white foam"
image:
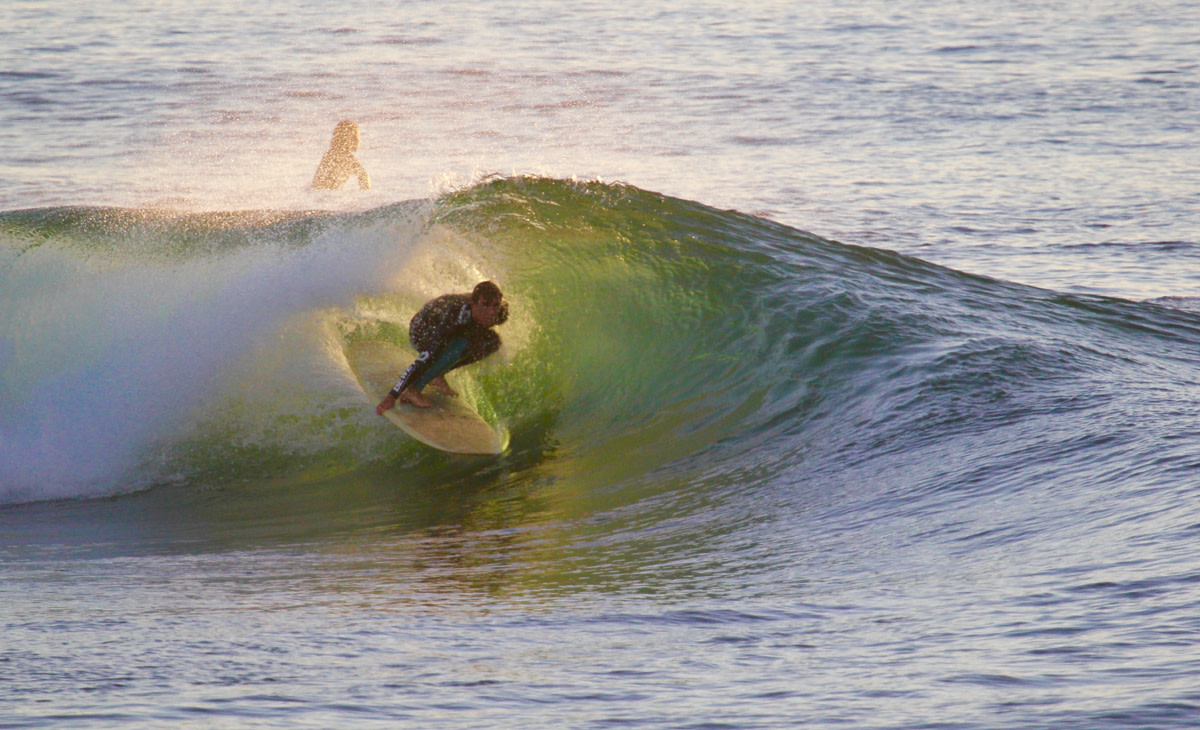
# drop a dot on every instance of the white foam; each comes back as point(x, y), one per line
point(102, 360)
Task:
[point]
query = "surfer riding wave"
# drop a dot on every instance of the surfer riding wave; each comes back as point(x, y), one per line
point(449, 332)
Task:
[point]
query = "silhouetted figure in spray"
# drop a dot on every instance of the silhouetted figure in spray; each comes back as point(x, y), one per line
point(339, 162)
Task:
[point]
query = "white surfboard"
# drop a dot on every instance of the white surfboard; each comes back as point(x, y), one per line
point(450, 425)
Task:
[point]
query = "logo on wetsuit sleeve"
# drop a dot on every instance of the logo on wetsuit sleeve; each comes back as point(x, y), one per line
point(422, 358)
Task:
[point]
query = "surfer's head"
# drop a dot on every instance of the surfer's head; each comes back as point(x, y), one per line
point(487, 304)
point(346, 137)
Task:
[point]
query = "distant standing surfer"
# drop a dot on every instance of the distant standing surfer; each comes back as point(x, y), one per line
point(339, 162)
point(449, 332)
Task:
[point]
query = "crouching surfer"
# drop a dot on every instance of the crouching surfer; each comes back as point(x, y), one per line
point(449, 332)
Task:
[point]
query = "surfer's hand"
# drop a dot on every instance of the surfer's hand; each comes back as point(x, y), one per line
point(386, 404)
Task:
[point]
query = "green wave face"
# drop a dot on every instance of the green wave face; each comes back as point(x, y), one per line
point(716, 345)
point(652, 342)
point(658, 326)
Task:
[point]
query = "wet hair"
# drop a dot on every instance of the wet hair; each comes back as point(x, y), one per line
point(345, 135)
point(487, 292)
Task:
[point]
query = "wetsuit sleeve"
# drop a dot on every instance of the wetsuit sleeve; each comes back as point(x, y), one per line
point(415, 371)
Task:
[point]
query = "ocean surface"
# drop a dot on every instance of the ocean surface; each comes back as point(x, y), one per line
point(852, 373)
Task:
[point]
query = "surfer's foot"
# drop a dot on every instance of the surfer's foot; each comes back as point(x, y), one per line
point(413, 396)
point(442, 386)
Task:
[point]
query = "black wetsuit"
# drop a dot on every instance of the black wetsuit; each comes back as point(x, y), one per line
point(446, 337)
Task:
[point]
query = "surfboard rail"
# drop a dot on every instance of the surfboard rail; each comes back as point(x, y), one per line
point(451, 424)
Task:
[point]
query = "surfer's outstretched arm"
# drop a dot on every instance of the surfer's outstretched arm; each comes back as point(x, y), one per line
point(404, 389)
point(429, 367)
point(408, 395)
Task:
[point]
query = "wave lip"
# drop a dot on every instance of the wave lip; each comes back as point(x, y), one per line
point(648, 333)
